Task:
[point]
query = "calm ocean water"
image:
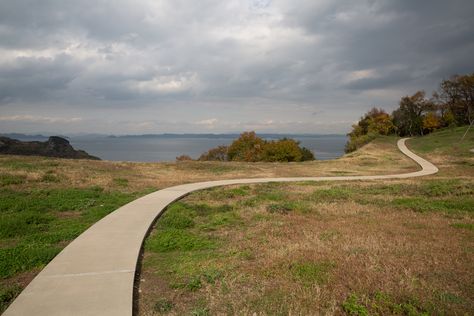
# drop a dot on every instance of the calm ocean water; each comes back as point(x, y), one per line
point(167, 148)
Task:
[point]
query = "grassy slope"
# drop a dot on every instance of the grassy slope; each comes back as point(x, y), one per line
point(45, 202)
point(374, 247)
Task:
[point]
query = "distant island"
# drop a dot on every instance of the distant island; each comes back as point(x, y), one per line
point(55, 146)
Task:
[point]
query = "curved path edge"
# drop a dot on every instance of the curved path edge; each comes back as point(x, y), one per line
point(94, 274)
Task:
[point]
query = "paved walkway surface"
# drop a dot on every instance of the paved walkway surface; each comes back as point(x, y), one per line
point(94, 274)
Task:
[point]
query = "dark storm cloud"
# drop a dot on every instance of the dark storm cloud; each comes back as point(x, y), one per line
point(206, 60)
point(31, 78)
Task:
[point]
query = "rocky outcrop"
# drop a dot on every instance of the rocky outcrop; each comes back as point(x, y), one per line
point(54, 147)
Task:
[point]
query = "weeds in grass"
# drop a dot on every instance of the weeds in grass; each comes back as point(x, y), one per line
point(121, 182)
point(194, 283)
point(329, 235)
point(468, 226)
point(178, 239)
point(381, 304)
point(23, 223)
point(177, 216)
point(309, 273)
point(10, 179)
point(221, 219)
point(352, 306)
point(333, 194)
point(271, 302)
point(212, 275)
point(18, 165)
point(24, 257)
point(200, 311)
point(50, 178)
point(34, 229)
point(447, 205)
point(281, 208)
point(163, 306)
point(7, 295)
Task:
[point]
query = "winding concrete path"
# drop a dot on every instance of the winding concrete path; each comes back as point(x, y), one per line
point(94, 274)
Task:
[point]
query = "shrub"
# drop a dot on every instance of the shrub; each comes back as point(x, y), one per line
point(251, 148)
point(373, 123)
point(306, 154)
point(183, 158)
point(248, 147)
point(215, 154)
point(355, 142)
point(282, 150)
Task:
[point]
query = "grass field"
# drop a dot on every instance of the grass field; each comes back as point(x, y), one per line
point(45, 203)
point(401, 247)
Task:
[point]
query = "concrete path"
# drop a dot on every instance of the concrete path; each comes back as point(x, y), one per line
point(94, 274)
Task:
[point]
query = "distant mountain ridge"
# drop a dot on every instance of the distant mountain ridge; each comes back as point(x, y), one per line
point(40, 137)
point(55, 146)
point(230, 135)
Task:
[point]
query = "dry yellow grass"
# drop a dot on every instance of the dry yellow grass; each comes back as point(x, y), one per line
point(379, 157)
point(414, 258)
point(402, 247)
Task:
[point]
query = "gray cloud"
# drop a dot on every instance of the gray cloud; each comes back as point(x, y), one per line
point(226, 62)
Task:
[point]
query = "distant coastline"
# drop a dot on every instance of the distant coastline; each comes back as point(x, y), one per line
point(21, 136)
point(168, 146)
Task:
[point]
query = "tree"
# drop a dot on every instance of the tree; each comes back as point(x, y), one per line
point(374, 122)
point(431, 122)
point(457, 93)
point(248, 147)
point(377, 121)
point(408, 118)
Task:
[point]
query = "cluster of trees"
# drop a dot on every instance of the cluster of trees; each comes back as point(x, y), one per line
point(251, 148)
point(451, 105)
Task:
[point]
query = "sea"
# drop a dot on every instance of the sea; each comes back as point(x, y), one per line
point(166, 147)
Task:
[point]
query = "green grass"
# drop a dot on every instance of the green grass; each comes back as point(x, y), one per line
point(446, 141)
point(309, 273)
point(382, 303)
point(36, 224)
point(14, 164)
point(218, 220)
point(24, 257)
point(177, 216)
point(447, 205)
point(468, 226)
point(177, 239)
point(332, 194)
point(352, 306)
point(32, 223)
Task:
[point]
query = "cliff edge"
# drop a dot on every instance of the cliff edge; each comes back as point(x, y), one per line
point(55, 146)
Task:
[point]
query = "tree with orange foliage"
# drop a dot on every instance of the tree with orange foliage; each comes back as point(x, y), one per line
point(431, 122)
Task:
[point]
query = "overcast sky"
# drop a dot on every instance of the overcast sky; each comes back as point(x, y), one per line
point(151, 66)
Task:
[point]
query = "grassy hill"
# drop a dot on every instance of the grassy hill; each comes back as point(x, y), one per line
point(214, 242)
point(402, 247)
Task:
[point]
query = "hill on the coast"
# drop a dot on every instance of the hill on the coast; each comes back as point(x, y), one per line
point(55, 146)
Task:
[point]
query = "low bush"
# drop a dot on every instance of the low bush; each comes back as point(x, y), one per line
point(251, 148)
